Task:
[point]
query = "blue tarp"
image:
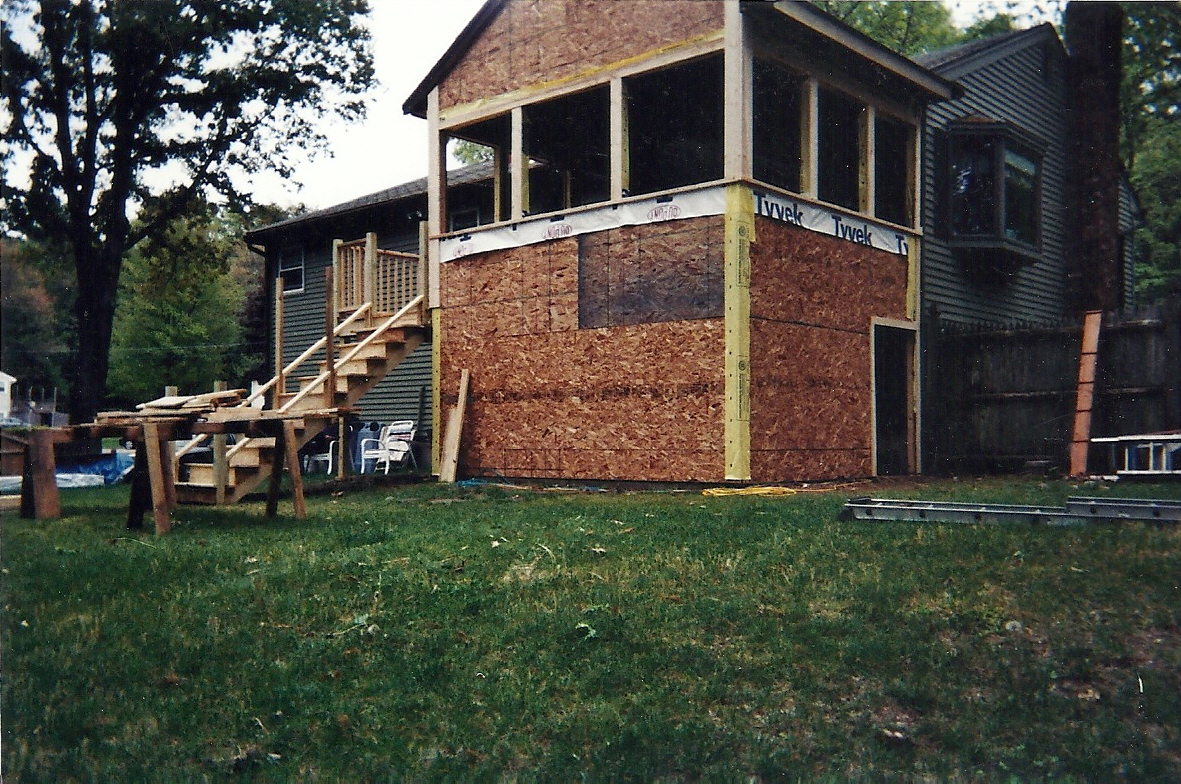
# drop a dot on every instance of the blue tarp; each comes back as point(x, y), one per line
point(112, 468)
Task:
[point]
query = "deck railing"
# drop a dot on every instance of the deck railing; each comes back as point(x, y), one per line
point(365, 273)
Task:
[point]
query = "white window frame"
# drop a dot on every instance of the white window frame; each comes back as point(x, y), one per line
point(287, 264)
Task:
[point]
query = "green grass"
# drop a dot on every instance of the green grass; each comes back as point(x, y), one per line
point(433, 633)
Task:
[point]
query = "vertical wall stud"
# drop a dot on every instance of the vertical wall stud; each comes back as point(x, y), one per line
point(619, 156)
point(519, 163)
point(739, 234)
point(810, 165)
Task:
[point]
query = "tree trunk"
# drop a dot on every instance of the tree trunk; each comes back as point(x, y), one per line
point(98, 281)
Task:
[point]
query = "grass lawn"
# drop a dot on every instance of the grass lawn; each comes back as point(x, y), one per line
point(440, 633)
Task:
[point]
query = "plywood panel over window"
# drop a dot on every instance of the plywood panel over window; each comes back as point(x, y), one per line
point(648, 274)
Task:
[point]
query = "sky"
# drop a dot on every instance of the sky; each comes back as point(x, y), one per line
point(389, 148)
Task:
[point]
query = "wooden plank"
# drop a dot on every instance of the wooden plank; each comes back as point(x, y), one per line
point(169, 463)
point(739, 233)
point(1088, 359)
point(280, 380)
point(221, 465)
point(40, 499)
point(291, 453)
point(330, 340)
point(154, 449)
point(450, 460)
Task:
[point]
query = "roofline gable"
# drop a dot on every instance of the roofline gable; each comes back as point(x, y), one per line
point(416, 104)
point(802, 12)
point(1002, 46)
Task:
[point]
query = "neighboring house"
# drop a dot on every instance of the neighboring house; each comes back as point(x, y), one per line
point(6, 383)
point(996, 194)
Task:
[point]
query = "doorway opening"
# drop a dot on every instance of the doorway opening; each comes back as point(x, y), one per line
point(894, 400)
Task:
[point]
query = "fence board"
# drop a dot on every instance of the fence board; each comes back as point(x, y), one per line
point(997, 398)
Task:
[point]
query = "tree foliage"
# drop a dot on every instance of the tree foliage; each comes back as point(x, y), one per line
point(1151, 140)
point(34, 332)
point(108, 104)
point(908, 27)
point(178, 318)
point(1157, 182)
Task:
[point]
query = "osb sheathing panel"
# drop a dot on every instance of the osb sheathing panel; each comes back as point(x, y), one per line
point(805, 277)
point(810, 402)
point(636, 402)
point(813, 299)
point(532, 42)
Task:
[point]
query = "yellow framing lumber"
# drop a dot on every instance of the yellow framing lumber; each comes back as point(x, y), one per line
point(740, 233)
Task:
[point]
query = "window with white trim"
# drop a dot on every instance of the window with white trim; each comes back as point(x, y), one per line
point(291, 268)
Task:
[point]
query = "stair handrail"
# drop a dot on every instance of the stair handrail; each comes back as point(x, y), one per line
point(377, 332)
point(257, 393)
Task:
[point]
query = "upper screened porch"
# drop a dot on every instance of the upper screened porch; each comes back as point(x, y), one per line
point(775, 94)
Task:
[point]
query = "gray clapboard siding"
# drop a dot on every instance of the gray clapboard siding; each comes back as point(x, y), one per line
point(1019, 88)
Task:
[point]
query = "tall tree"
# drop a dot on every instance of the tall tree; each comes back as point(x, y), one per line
point(1150, 139)
point(107, 99)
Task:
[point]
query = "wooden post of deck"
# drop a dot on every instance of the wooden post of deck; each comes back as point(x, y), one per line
point(369, 275)
point(291, 453)
point(221, 468)
point(280, 381)
point(330, 341)
point(154, 451)
point(40, 499)
point(286, 452)
point(277, 459)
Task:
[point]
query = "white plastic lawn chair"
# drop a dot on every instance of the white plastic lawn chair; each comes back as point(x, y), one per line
point(393, 446)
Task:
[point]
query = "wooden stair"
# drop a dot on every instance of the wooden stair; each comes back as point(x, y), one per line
point(364, 356)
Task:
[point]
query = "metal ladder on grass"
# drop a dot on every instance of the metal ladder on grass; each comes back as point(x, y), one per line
point(1078, 510)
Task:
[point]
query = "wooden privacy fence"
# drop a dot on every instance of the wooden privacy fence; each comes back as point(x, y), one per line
point(366, 273)
point(1000, 399)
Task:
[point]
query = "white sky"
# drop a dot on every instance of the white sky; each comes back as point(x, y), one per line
point(389, 148)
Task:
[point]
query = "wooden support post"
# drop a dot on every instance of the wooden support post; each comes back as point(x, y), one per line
point(156, 480)
point(291, 453)
point(280, 381)
point(342, 448)
point(369, 276)
point(141, 491)
point(286, 451)
point(739, 234)
point(620, 164)
point(1088, 359)
point(450, 460)
point(330, 341)
point(278, 458)
point(221, 468)
point(40, 499)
